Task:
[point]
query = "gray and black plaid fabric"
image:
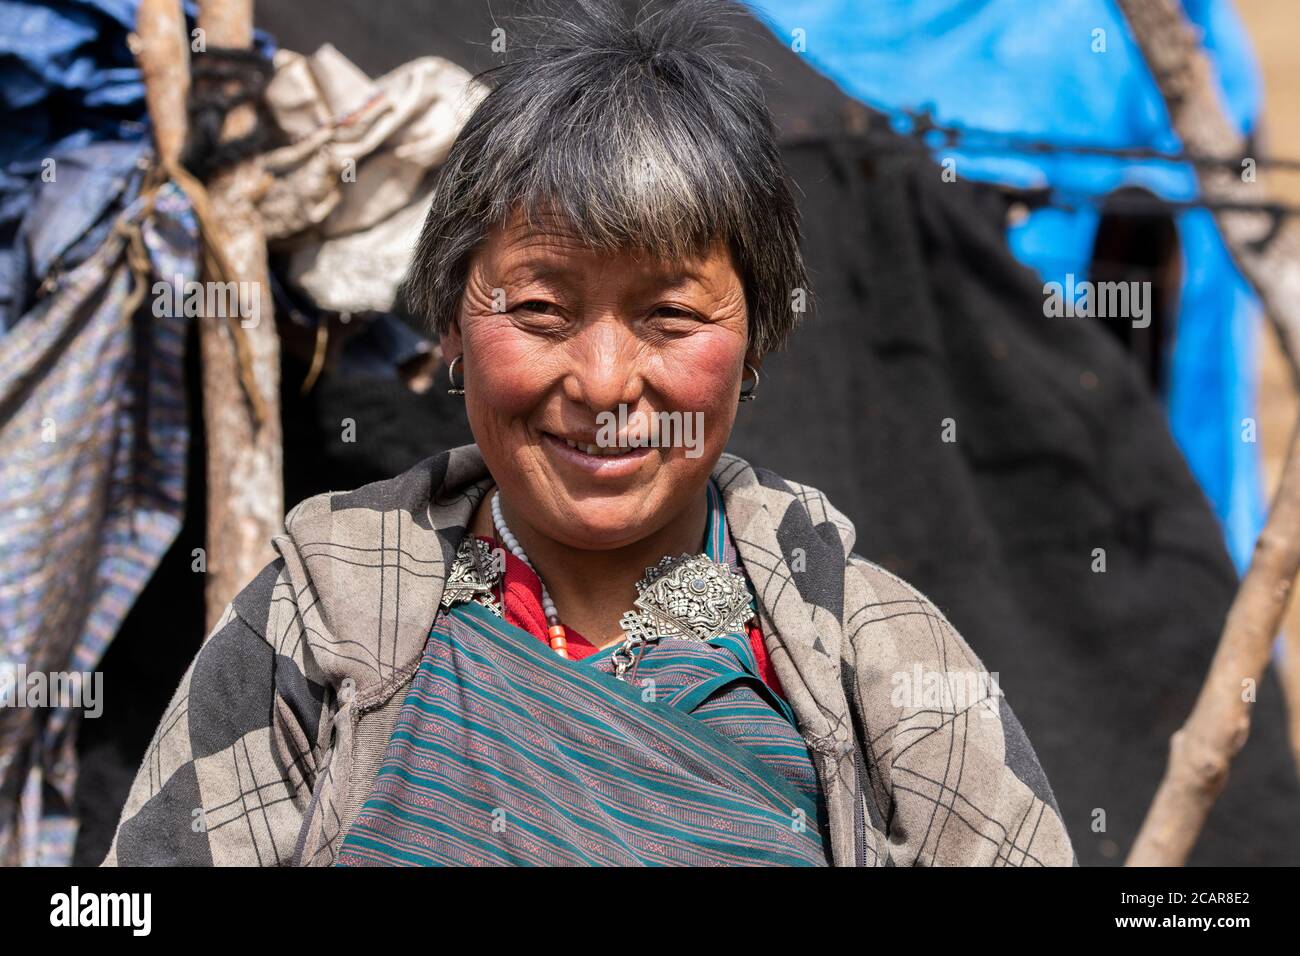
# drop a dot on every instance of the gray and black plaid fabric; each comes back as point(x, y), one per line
point(273, 739)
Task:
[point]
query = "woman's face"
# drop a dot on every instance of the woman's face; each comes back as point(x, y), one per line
point(565, 346)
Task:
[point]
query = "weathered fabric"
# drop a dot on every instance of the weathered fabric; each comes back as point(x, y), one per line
point(505, 754)
point(352, 187)
point(274, 738)
point(94, 430)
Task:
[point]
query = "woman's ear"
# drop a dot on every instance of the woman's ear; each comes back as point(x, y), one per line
point(748, 385)
point(450, 342)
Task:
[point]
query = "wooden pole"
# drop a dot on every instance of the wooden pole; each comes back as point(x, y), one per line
point(164, 58)
point(245, 456)
point(1203, 749)
point(1268, 254)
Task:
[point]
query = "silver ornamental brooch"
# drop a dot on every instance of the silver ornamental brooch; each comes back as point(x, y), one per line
point(691, 596)
point(474, 575)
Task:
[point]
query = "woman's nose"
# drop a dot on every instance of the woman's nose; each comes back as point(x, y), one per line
point(605, 367)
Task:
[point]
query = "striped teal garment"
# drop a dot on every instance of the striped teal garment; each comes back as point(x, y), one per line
point(506, 754)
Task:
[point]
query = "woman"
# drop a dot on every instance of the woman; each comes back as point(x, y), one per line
point(592, 637)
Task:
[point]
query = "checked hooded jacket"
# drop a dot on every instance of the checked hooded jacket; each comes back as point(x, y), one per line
point(271, 744)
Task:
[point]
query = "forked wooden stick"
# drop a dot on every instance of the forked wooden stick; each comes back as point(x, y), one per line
point(240, 358)
point(1268, 255)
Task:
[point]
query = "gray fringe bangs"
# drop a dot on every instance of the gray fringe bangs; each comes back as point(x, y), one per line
point(638, 133)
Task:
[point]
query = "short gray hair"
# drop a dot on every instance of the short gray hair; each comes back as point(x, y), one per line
point(640, 129)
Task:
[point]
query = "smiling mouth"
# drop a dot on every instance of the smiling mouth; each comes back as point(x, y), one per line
point(578, 451)
point(597, 450)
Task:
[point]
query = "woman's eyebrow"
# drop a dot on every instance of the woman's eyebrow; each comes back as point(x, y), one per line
point(547, 269)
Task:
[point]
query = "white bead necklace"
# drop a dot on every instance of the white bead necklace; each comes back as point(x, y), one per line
point(558, 635)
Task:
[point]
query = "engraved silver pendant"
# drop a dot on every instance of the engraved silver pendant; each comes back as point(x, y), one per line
point(474, 576)
point(692, 597)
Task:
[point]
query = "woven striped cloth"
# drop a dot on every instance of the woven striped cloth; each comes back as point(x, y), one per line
point(94, 432)
point(505, 754)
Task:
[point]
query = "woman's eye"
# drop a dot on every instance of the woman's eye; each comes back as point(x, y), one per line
point(536, 305)
point(673, 312)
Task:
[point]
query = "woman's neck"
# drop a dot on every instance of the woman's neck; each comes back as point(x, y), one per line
point(592, 589)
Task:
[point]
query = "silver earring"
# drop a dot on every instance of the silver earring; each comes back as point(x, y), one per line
point(451, 378)
point(749, 391)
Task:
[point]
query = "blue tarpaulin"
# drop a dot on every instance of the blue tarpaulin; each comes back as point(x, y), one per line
point(65, 70)
point(1070, 72)
point(68, 81)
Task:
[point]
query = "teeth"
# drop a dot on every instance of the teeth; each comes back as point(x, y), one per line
point(595, 449)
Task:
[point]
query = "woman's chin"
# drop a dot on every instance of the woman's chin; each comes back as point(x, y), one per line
point(604, 532)
point(594, 511)
point(601, 523)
